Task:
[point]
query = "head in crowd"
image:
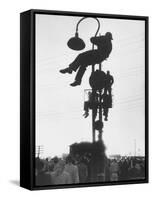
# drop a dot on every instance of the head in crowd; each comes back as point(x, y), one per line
point(56, 160)
point(59, 167)
point(137, 166)
point(69, 160)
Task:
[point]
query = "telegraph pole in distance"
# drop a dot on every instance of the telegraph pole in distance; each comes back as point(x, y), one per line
point(39, 150)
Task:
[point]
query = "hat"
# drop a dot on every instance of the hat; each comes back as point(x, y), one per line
point(108, 34)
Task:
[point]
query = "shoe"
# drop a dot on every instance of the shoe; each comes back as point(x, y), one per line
point(75, 83)
point(66, 70)
point(86, 114)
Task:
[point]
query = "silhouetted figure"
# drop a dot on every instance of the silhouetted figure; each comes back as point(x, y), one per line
point(42, 178)
point(114, 169)
point(135, 172)
point(59, 176)
point(91, 57)
point(72, 170)
point(83, 171)
point(92, 103)
point(108, 83)
point(124, 166)
point(98, 125)
point(106, 103)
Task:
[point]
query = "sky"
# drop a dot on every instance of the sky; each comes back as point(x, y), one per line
point(59, 107)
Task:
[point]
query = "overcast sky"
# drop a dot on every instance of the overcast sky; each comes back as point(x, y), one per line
point(59, 107)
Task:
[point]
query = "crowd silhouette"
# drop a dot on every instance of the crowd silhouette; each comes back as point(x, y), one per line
point(74, 170)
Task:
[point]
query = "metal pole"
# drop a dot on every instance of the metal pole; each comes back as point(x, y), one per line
point(100, 108)
point(93, 120)
point(93, 69)
point(91, 18)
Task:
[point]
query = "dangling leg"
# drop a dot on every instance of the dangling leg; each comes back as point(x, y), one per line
point(73, 66)
point(86, 109)
point(106, 110)
point(79, 76)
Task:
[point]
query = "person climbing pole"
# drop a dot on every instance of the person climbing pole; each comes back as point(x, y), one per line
point(109, 80)
point(92, 103)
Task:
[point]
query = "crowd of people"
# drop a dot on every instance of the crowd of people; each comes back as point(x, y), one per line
point(128, 168)
point(60, 171)
point(71, 170)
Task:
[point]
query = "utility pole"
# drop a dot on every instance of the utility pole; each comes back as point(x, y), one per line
point(93, 119)
point(100, 98)
point(39, 150)
point(98, 84)
point(100, 107)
